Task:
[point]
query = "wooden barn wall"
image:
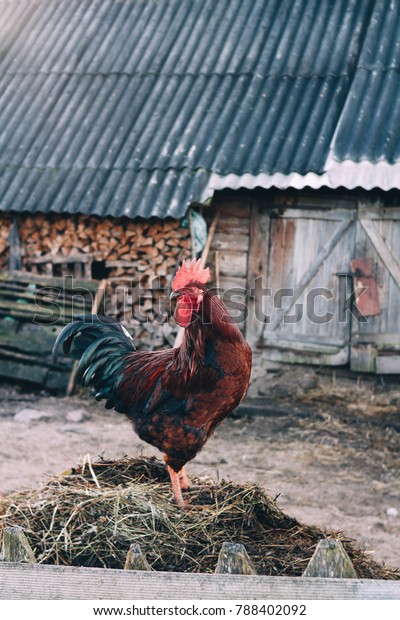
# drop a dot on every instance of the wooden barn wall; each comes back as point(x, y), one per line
point(276, 236)
point(229, 252)
point(288, 237)
point(230, 246)
point(238, 256)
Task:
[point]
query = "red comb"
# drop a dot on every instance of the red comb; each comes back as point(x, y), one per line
point(190, 273)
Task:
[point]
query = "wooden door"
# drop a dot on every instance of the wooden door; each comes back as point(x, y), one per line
point(304, 317)
point(376, 340)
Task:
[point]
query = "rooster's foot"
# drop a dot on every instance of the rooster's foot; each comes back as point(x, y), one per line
point(183, 480)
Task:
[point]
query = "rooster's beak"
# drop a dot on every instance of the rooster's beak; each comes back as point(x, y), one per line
point(174, 295)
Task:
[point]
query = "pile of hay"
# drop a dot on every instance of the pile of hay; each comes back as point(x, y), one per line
point(90, 516)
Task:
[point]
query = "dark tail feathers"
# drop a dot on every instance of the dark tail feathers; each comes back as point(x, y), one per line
point(100, 344)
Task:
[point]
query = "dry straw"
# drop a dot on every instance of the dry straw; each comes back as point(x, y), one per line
point(90, 515)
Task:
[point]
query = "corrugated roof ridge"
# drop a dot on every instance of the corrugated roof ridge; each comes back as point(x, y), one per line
point(150, 169)
point(178, 169)
point(191, 74)
point(377, 69)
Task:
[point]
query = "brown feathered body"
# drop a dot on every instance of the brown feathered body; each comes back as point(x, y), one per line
point(175, 398)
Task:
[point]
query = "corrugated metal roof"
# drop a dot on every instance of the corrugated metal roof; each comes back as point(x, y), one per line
point(138, 107)
point(180, 37)
point(369, 127)
point(163, 122)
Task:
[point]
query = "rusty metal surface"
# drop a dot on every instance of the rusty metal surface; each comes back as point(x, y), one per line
point(367, 299)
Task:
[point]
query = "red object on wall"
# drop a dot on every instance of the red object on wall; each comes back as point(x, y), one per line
point(366, 288)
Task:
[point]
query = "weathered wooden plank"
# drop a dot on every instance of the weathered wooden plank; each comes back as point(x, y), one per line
point(259, 229)
point(15, 329)
point(228, 228)
point(385, 252)
point(35, 343)
point(257, 269)
point(56, 282)
point(234, 207)
point(233, 559)
point(8, 328)
point(362, 358)
point(26, 316)
point(8, 289)
point(233, 263)
point(336, 215)
point(120, 263)
point(44, 297)
point(289, 356)
point(304, 339)
point(316, 200)
point(136, 559)
point(43, 369)
point(27, 307)
point(379, 212)
point(387, 364)
point(47, 311)
point(229, 282)
point(20, 371)
point(233, 243)
point(46, 304)
point(227, 224)
point(303, 347)
point(8, 353)
point(383, 342)
point(330, 559)
point(192, 234)
point(16, 547)
point(39, 581)
point(57, 259)
point(22, 287)
point(57, 379)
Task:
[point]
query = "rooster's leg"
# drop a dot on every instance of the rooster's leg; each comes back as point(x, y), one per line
point(176, 487)
point(185, 484)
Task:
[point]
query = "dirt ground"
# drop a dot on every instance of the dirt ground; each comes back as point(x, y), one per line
point(329, 449)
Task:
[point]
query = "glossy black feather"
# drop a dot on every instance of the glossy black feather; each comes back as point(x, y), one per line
point(101, 346)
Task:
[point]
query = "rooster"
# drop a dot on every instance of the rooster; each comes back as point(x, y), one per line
point(176, 397)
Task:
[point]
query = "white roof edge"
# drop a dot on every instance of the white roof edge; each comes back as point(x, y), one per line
point(279, 180)
point(348, 174)
point(365, 174)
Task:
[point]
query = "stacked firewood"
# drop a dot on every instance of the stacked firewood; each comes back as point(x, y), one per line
point(137, 257)
point(153, 242)
point(5, 226)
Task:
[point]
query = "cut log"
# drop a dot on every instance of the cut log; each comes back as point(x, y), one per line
point(330, 559)
point(233, 559)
